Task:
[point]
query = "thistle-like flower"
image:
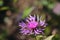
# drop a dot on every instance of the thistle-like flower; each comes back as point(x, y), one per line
point(32, 26)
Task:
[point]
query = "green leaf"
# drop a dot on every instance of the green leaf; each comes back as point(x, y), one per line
point(49, 37)
point(47, 30)
point(56, 37)
point(38, 37)
point(1, 3)
point(44, 2)
point(27, 12)
point(51, 5)
point(4, 8)
point(14, 1)
point(2, 36)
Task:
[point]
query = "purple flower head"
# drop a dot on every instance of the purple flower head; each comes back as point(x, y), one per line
point(31, 22)
point(32, 26)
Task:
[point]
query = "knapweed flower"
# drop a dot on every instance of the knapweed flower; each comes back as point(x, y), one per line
point(31, 26)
